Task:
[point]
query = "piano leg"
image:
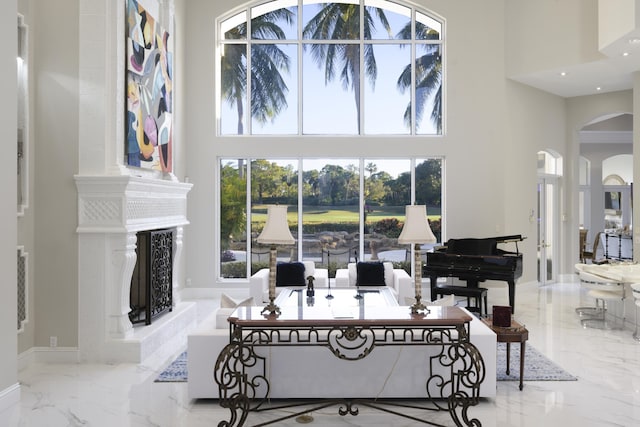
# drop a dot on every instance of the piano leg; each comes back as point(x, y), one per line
point(512, 295)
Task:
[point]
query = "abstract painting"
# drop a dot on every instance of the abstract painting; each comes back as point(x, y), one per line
point(148, 134)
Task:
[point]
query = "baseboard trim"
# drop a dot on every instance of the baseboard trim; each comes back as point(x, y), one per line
point(48, 355)
point(9, 396)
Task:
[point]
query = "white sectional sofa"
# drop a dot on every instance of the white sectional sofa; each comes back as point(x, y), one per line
point(291, 371)
point(397, 279)
point(259, 282)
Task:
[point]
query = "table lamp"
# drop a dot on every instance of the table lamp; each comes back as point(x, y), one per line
point(416, 230)
point(275, 232)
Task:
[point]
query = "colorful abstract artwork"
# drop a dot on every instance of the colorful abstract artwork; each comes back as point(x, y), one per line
point(148, 135)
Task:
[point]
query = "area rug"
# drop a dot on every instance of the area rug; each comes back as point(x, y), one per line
point(176, 372)
point(537, 367)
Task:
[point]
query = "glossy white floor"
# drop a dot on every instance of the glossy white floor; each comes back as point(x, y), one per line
point(607, 393)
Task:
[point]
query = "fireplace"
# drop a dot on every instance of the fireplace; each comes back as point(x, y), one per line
point(113, 212)
point(151, 293)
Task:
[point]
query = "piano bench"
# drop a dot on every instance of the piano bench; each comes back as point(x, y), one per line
point(478, 294)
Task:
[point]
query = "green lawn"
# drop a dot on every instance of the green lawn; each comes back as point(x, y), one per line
point(340, 214)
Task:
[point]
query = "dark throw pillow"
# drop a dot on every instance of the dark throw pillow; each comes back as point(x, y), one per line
point(370, 274)
point(290, 274)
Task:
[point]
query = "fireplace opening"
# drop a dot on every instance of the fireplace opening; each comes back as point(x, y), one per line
point(151, 293)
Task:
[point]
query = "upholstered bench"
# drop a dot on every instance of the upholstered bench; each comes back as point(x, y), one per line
point(478, 294)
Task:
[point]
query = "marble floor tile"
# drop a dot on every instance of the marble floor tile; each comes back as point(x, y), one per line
point(607, 393)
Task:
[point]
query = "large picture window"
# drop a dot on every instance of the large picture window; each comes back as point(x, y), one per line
point(368, 67)
point(339, 210)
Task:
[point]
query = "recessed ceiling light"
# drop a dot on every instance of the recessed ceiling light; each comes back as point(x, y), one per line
point(625, 54)
point(634, 41)
point(598, 88)
point(563, 73)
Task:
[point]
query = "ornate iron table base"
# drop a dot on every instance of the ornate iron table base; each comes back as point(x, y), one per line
point(456, 367)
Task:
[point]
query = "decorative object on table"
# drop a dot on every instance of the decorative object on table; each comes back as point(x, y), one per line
point(275, 232)
point(329, 296)
point(501, 316)
point(310, 290)
point(416, 230)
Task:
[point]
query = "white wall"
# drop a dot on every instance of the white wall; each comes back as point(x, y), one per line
point(547, 34)
point(9, 389)
point(55, 145)
point(536, 121)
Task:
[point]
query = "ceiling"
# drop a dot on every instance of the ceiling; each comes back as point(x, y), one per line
point(613, 72)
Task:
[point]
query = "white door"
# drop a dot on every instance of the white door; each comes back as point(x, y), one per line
point(547, 226)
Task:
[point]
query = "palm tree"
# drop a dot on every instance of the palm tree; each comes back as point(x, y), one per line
point(428, 77)
point(269, 89)
point(341, 21)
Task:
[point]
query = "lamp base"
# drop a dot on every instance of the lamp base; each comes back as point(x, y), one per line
point(271, 310)
point(419, 308)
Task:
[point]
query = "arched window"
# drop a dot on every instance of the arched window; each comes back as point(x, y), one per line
point(357, 67)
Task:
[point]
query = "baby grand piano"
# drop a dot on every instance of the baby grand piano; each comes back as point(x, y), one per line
point(476, 260)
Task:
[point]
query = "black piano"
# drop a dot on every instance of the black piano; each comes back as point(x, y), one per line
point(476, 260)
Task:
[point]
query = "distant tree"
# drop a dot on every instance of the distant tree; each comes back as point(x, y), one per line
point(266, 179)
point(429, 182)
point(333, 179)
point(233, 203)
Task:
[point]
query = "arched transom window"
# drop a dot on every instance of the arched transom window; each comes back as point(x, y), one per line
point(358, 67)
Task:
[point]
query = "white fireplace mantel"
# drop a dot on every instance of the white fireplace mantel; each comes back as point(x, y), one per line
point(111, 210)
point(117, 204)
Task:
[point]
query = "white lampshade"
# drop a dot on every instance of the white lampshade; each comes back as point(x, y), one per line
point(276, 230)
point(416, 226)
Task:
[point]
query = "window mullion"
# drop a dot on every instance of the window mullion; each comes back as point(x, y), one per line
point(249, 203)
point(247, 113)
point(300, 69)
point(413, 130)
point(361, 70)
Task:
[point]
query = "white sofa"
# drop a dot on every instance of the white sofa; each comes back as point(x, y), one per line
point(397, 279)
point(259, 282)
point(401, 369)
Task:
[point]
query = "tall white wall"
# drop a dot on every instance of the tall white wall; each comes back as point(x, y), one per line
point(9, 388)
point(55, 145)
point(536, 121)
point(547, 34)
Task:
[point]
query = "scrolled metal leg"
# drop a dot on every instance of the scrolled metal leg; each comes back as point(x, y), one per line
point(462, 390)
point(239, 373)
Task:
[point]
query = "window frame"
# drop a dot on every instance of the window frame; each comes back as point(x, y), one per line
point(244, 15)
point(361, 162)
